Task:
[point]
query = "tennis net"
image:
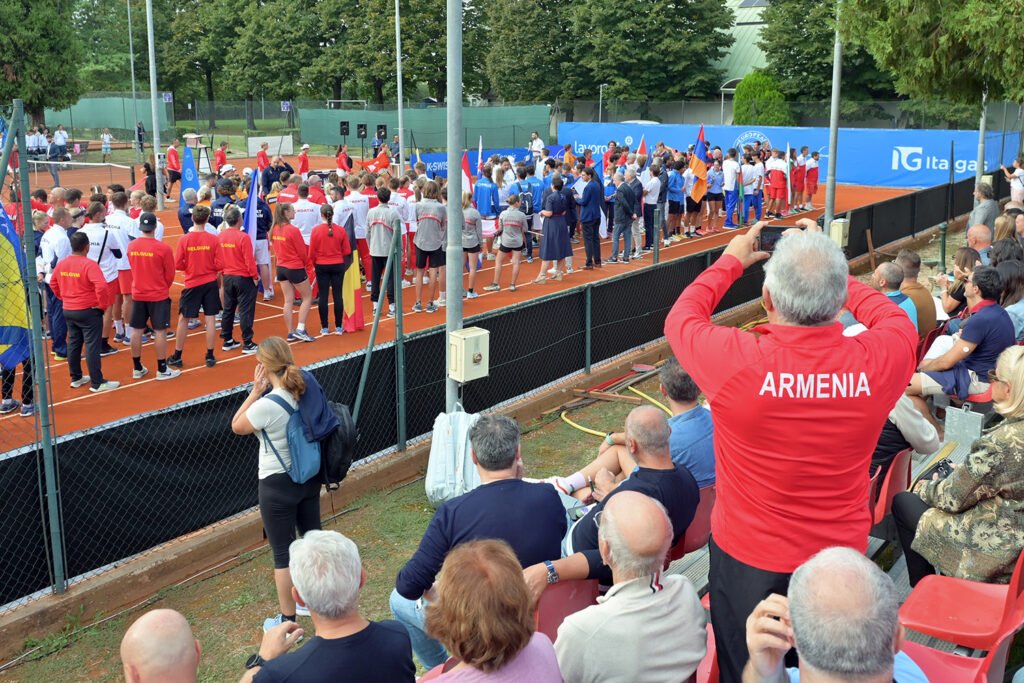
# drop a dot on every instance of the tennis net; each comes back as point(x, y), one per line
point(78, 174)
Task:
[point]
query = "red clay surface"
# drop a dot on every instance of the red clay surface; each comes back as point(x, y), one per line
point(76, 409)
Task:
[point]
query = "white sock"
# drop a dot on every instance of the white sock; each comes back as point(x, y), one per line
point(129, 331)
point(302, 328)
point(119, 326)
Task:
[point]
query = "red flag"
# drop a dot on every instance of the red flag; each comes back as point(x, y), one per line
point(467, 176)
point(352, 300)
point(379, 162)
point(642, 149)
point(699, 168)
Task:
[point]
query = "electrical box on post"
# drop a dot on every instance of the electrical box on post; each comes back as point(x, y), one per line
point(468, 356)
point(839, 231)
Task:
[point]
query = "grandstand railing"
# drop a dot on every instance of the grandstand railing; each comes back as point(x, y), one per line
point(135, 484)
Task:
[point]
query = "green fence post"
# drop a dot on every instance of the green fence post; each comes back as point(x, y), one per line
point(943, 228)
point(388, 266)
point(39, 370)
point(657, 235)
point(588, 334)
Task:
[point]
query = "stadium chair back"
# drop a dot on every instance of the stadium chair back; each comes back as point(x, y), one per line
point(897, 479)
point(946, 666)
point(699, 531)
point(922, 349)
point(873, 484)
point(560, 600)
point(707, 670)
point(438, 670)
point(968, 613)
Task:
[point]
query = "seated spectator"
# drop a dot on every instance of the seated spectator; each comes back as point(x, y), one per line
point(888, 278)
point(1005, 250)
point(968, 525)
point(987, 209)
point(528, 516)
point(655, 475)
point(691, 442)
point(905, 428)
point(159, 646)
point(482, 615)
point(979, 238)
point(327, 575)
point(954, 300)
point(962, 370)
point(924, 302)
point(647, 628)
point(1011, 275)
point(841, 615)
point(1004, 228)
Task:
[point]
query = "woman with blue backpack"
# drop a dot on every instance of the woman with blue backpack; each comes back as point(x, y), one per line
point(289, 463)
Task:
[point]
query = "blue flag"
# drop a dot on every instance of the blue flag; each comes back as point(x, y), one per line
point(189, 177)
point(14, 330)
point(249, 218)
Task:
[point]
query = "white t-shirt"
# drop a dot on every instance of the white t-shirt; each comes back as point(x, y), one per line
point(651, 191)
point(1017, 182)
point(360, 207)
point(730, 171)
point(749, 178)
point(536, 147)
point(759, 174)
point(120, 222)
point(60, 137)
point(106, 138)
point(102, 242)
point(55, 247)
point(811, 163)
point(307, 217)
point(401, 207)
point(342, 212)
point(136, 232)
point(265, 415)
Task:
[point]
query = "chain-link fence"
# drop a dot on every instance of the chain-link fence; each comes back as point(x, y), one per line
point(134, 484)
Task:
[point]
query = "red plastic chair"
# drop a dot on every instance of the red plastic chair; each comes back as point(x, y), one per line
point(560, 600)
point(707, 670)
point(980, 399)
point(945, 666)
point(438, 670)
point(873, 483)
point(699, 531)
point(897, 479)
point(926, 343)
point(964, 612)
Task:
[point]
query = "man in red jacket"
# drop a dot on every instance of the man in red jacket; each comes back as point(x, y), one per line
point(797, 409)
point(304, 163)
point(152, 264)
point(240, 278)
point(79, 283)
point(220, 157)
point(173, 166)
point(199, 256)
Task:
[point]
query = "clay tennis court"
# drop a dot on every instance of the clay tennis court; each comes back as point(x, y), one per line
point(77, 409)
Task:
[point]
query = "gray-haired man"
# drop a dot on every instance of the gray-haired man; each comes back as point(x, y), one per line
point(842, 616)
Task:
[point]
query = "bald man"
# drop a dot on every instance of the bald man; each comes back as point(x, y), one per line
point(648, 627)
point(888, 278)
point(979, 238)
point(160, 646)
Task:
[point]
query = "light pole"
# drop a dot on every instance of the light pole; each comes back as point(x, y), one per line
point(135, 102)
point(153, 106)
point(980, 171)
point(833, 127)
point(600, 99)
point(396, 273)
point(453, 273)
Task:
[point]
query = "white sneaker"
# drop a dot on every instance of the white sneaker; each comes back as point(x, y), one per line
point(442, 301)
point(139, 374)
point(665, 243)
point(81, 382)
point(169, 373)
point(109, 385)
point(471, 295)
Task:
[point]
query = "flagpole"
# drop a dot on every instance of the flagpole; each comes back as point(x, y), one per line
point(397, 251)
point(135, 101)
point(833, 126)
point(453, 273)
point(153, 106)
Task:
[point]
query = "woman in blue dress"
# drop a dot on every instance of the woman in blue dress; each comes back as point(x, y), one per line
point(555, 246)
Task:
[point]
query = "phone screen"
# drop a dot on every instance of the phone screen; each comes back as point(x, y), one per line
point(769, 238)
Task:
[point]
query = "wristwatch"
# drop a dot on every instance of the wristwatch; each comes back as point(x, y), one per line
point(254, 661)
point(552, 572)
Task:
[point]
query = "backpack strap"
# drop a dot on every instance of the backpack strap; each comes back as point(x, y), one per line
point(290, 411)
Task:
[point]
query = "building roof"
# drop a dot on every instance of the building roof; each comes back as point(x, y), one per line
point(745, 55)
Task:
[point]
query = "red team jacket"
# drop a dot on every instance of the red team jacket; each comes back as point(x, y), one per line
point(220, 158)
point(236, 250)
point(152, 264)
point(289, 248)
point(79, 283)
point(325, 250)
point(199, 256)
point(797, 412)
point(173, 160)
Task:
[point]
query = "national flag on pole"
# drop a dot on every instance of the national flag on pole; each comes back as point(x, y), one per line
point(789, 187)
point(699, 168)
point(642, 149)
point(379, 162)
point(189, 177)
point(480, 157)
point(352, 298)
point(419, 159)
point(467, 175)
point(14, 330)
point(249, 218)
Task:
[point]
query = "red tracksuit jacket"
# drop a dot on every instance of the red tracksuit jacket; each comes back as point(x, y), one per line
point(152, 264)
point(289, 248)
point(199, 256)
point(79, 283)
point(236, 250)
point(797, 412)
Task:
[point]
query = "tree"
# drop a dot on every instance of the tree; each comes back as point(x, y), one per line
point(760, 101)
point(798, 38)
point(38, 63)
point(952, 49)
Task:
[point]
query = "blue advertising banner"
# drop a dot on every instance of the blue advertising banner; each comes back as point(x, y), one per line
point(867, 156)
point(437, 163)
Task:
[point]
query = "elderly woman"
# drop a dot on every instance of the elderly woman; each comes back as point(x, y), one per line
point(971, 524)
point(484, 618)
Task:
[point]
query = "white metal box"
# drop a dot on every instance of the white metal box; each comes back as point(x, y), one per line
point(468, 357)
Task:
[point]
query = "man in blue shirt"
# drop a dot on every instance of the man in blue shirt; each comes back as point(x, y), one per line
point(676, 198)
point(528, 516)
point(188, 202)
point(964, 369)
point(888, 278)
point(485, 198)
point(590, 217)
point(526, 182)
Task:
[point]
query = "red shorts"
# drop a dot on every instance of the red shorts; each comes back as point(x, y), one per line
point(776, 193)
point(811, 188)
point(124, 281)
point(115, 288)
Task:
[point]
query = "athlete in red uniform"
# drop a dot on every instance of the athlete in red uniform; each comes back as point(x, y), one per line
point(220, 157)
point(152, 264)
point(199, 256)
point(173, 166)
point(304, 163)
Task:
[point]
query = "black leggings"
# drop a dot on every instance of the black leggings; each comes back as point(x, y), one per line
point(329, 277)
point(285, 505)
point(907, 509)
point(379, 263)
point(27, 387)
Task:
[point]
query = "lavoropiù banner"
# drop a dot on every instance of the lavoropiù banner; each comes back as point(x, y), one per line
point(867, 156)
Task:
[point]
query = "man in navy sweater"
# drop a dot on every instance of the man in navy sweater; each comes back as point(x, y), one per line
point(590, 217)
point(530, 517)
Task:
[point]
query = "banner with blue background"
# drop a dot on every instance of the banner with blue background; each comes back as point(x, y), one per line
point(437, 163)
point(867, 156)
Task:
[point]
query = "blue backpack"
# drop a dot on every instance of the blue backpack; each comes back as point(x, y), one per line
point(305, 454)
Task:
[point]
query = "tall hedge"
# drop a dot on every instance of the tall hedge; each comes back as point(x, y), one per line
point(759, 101)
